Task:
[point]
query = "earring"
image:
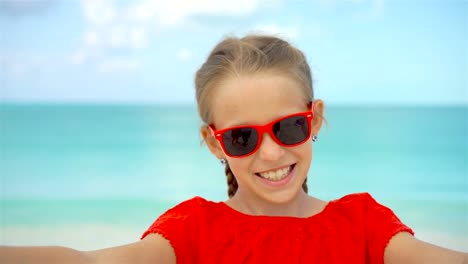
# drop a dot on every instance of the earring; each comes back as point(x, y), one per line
point(314, 138)
point(223, 161)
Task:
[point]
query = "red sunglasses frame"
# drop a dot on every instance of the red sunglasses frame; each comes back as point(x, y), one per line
point(262, 129)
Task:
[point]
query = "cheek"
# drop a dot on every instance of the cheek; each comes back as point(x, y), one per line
point(304, 150)
point(239, 166)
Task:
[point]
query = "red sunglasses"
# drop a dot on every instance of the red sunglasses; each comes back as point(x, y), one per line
point(241, 141)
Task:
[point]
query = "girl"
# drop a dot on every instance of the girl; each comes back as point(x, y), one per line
point(255, 96)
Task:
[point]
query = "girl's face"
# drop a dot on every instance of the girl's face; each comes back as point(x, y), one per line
point(273, 173)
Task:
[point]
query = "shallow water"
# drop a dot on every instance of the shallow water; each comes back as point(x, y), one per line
point(110, 170)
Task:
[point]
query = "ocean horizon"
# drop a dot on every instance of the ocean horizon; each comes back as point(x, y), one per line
point(90, 176)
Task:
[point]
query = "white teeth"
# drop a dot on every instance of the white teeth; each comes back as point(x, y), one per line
point(276, 175)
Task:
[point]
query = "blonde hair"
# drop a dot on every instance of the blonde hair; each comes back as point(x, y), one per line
point(248, 55)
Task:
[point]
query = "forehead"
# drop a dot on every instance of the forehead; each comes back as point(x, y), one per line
point(256, 99)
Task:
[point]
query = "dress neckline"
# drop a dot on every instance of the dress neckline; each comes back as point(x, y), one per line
point(233, 211)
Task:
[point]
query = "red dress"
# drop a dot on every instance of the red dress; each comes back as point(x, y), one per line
point(352, 229)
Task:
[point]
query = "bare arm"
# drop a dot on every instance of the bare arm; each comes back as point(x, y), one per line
point(41, 255)
point(404, 248)
point(153, 249)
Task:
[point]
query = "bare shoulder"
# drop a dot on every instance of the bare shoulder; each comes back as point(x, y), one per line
point(404, 248)
point(152, 249)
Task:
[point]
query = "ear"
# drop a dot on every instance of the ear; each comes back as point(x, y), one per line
point(318, 116)
point(211, 142)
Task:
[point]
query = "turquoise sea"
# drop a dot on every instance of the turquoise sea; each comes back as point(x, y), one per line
point(93, 176)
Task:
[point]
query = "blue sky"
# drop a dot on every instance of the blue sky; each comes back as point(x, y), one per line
point(361, 51)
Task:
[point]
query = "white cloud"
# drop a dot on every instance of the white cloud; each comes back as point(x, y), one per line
point(118, 36)
point(184, 54)
point(119, 64)
point(99, 12)
point(377, 7)
point(20, 64)
point(78, 57)
point(164, 12)
point(288, 32)
point(355, 1)
point(17, 68)
point(138, 38)
point(327, 3)
point(117, 27)
point(91, 38)
point(178, 11)
point(142, 11)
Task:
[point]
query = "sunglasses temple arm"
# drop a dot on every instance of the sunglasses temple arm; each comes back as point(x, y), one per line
point(212, 132)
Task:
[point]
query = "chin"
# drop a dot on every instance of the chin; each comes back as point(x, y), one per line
point(284, 196)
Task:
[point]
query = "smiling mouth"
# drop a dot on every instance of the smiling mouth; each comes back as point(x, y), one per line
point(276, 175)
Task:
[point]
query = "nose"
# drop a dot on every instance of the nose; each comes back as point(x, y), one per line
point(269, 150)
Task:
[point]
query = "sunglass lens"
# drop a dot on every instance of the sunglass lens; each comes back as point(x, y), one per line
point(240, 141)
point(292, 130)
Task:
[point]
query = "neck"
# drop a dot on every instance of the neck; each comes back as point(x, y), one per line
point(301, 206)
